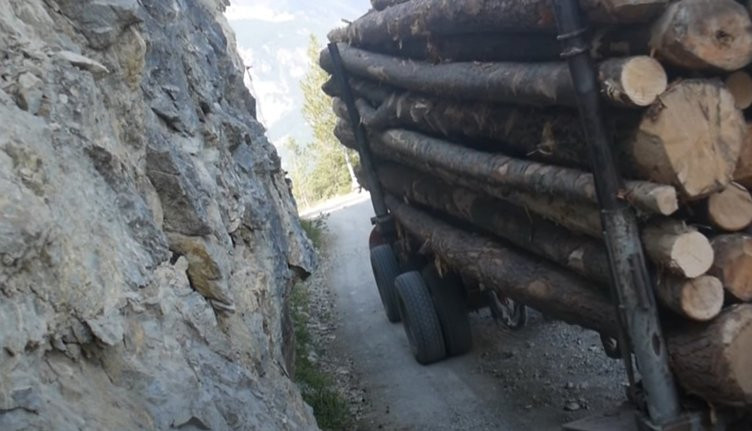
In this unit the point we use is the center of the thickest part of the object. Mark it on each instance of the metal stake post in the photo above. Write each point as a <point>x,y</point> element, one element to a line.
<point>383,219</point>
<point>631,286</point>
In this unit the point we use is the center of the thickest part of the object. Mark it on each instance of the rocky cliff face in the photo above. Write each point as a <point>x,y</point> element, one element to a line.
<point>148,239</point>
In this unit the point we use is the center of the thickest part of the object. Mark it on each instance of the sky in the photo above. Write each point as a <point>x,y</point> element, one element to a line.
<point>272,38</point>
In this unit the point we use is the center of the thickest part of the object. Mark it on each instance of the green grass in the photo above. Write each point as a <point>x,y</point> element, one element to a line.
<point>315,229</point>
<point>318,389</point>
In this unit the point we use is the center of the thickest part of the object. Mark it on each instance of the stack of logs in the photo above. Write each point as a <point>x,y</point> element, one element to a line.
<point>471,116</point>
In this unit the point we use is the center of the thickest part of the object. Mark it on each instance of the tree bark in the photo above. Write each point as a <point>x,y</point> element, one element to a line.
<point>524,47</point>
<point>429,154</point>
<point>584,255</point>
<point>730,210</point>
<point>524,175</point>
<point>418,18</point>
<point>743,173</point>
<point>691,138</point>
<point>712,360</point>
<point>733,264</point>
<point>369,90</point>
<point>678,248</point>
<point>699,299</point>
<point>739,85</point>
<point>533,282</point>
<point>704,34</point>
<point>634,81</point>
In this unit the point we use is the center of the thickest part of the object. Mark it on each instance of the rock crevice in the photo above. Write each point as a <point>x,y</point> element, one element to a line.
<point>148,238</point>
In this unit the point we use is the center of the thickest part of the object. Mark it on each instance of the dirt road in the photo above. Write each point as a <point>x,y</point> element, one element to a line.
<point>533,379</point>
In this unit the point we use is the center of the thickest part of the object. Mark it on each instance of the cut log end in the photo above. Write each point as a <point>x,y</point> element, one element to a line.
<point>653,198</point>
<point>731,209</point>
<point>680,249</point>
<point>692,254</point>
<point>690,138</point>
<point>702,298</point>
<point>739,84</point>
<point>733,264</point>
<point>704,34</point>
<point>643,79</point>
<point>699,299</point>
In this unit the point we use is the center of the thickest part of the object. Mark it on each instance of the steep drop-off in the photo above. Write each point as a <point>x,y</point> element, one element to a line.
<point>148,238</point>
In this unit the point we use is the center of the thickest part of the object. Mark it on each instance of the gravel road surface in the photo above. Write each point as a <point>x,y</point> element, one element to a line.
<point>537,378</point>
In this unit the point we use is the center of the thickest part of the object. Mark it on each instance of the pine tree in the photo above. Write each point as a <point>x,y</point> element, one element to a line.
<point>321,169</point>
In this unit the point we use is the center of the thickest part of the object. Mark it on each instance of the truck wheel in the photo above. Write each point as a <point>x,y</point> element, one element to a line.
<point>451,307</point>
<point>385,270</point>
<point>419,318</point>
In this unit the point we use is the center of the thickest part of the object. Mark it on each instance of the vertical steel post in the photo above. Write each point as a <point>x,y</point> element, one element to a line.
<point>631,285</point>
<point>382,219</point>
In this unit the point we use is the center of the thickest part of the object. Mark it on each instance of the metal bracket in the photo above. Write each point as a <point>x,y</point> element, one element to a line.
<point>631,286</point>
<point>382,219</point>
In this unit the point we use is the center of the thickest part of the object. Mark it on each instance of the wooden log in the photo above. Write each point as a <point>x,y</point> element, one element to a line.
<point>424,152</point>
<point>578,217</point>
<point>694,128</point>
<point>739,85</point>
<point>425,17</point>
<point>518,174</point>
<point>635,81</point>
<point>383,4</point>
<point>369,90</point>
<point>704,34</point>
<point>530,232</point>
<point>523,47</point>
<point>632,81</point>
<point>691,138</point>
<point>743,172</point>
<point>712,360</point>
<point>678,248</point>
<point>730,210</point>
<point>733,264</point>
<point>533,282</point>
<point>699,299</point>
<point>584,255</point>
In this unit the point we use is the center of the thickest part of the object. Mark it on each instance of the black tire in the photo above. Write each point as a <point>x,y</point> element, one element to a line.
<point>451,307</point>
<point>419,318</point>
<point>385,270</point>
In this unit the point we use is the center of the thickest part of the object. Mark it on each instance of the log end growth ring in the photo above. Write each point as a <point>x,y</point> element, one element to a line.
<point>690,138</point>
<point>702,299</point>
<point>692,254</point>
<point>705,34</point>
<point>731,209</point>
<point>644,79</point>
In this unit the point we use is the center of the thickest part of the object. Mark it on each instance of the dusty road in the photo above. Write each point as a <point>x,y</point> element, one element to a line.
<point>534,379</point>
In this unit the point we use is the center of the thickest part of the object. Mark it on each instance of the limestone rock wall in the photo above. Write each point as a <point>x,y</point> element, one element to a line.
<point>148,238</point>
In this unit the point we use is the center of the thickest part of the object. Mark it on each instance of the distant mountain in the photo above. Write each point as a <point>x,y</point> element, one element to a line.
<point>272,38</point>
